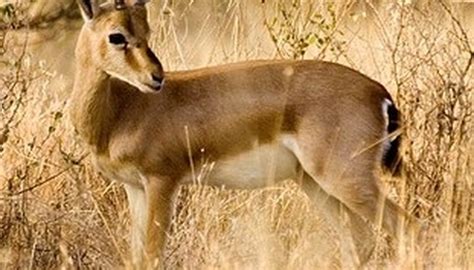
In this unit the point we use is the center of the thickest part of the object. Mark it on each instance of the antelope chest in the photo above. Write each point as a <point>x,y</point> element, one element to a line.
<point>119,171</point>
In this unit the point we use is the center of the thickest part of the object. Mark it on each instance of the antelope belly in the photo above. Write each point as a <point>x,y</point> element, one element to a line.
<point>262,166</point>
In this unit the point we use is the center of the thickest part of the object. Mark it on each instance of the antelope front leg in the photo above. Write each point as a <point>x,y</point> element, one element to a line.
<point>150,211</point>
<point>137,207</point>
<point>159,192</point>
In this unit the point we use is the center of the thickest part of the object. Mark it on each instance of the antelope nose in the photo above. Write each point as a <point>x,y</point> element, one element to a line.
<point>157,82</point>
<point>157,79</point>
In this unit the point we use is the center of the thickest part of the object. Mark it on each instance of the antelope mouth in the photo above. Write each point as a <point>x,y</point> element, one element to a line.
<point>156,88</point>
<point>153,87</point>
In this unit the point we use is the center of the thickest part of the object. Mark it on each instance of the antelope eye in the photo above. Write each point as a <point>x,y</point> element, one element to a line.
<point>117,39</point>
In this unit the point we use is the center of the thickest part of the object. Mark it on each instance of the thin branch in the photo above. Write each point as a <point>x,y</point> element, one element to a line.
<point>49,179</point>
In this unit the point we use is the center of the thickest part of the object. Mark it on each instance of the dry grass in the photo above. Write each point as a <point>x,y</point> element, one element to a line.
<point>56,211</point>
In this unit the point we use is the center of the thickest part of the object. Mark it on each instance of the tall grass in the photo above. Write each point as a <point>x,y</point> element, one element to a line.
<point>56,211</point>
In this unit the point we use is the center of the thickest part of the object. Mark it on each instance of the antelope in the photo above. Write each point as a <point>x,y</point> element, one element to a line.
<point>322,124</point>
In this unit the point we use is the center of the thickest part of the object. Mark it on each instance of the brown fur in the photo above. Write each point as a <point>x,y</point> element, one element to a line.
<point>327,117</point>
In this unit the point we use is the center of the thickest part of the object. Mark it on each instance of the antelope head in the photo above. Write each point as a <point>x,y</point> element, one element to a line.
<point>114,40</point>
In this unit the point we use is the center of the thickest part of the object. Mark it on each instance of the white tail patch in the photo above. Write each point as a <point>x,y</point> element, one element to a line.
<point>386,144</point>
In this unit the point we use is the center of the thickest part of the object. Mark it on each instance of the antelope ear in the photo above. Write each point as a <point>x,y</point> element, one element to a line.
<point>139,7</point>
<point>89,8</point>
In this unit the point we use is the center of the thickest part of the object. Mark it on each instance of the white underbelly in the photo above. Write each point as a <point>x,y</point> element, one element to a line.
<point>261,166</point>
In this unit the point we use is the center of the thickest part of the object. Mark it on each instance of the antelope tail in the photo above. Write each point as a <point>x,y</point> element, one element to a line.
<point>392,161</point>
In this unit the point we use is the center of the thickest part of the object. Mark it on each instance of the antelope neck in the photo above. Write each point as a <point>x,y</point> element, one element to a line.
<point>93,106</point>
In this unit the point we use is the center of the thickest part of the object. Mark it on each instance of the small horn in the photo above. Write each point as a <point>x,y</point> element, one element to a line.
<point>120,4</point>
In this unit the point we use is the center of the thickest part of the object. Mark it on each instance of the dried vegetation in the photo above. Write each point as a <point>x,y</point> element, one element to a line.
<point>56,211</point>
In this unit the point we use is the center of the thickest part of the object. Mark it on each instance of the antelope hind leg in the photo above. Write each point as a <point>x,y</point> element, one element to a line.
<point>362,234</point>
